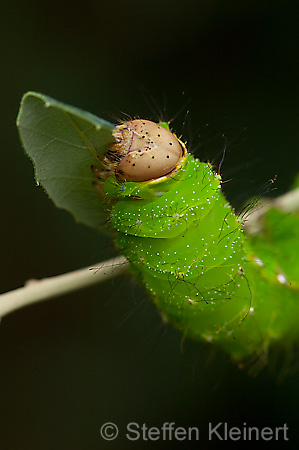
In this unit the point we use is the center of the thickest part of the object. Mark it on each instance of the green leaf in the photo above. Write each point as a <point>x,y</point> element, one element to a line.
<point>63,143</point>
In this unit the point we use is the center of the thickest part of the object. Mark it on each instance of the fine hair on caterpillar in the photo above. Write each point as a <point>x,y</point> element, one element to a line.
<point>160,110</point>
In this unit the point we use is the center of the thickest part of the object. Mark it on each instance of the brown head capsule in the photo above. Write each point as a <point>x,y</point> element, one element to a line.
<point>146,150</point>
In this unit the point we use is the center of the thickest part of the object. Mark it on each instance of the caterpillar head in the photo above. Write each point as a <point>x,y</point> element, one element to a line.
<point>145,150</point>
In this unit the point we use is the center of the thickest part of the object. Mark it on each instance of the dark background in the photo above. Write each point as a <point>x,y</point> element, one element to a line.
<point>71,364</point>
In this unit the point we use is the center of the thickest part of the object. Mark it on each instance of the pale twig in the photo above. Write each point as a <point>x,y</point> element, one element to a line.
<point>38,290</point>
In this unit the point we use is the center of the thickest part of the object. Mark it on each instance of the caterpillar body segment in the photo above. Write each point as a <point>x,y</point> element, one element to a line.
<point>186,246</point>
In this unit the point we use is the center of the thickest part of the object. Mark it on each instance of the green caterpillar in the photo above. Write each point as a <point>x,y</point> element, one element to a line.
<point>184,242</point>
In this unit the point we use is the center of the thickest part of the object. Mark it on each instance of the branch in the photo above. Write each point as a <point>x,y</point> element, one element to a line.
<point>38,290</point>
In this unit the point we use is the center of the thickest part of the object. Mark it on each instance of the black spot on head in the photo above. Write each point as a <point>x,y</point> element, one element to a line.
<point>170,143</point>
<point>153,157</point>
<point>167,156</point>
<point>133,164</point>
<point>158,135</point>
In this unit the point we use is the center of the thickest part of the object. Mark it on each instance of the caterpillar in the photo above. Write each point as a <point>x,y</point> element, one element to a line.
<point>185,243</point>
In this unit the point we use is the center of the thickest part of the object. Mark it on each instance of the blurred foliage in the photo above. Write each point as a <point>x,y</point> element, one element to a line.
<point>279,245</point>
